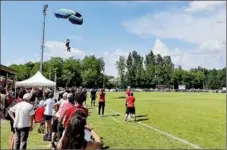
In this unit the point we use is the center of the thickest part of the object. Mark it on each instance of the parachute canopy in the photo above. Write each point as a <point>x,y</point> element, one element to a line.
<point>73,16</point>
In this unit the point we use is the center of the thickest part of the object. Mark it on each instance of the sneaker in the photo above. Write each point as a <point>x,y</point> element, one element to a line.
<point>53,146</point>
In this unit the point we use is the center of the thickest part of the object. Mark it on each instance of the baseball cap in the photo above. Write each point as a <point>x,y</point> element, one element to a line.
<point>27,96</point>
<point>41,103</point>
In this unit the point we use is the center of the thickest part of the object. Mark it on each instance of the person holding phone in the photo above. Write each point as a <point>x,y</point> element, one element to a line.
<point>74,134</point>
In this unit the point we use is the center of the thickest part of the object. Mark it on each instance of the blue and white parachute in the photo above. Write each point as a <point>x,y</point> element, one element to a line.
<point>73,16</point>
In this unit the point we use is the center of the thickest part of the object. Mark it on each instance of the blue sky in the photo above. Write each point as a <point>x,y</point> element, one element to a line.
<point>110,29</point>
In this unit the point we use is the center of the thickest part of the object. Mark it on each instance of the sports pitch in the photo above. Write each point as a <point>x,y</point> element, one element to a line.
<point>165,120</point>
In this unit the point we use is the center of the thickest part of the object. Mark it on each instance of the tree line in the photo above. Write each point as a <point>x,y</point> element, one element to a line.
<point>87,72</point>
<point>134,70</point>
<point>153,70</point>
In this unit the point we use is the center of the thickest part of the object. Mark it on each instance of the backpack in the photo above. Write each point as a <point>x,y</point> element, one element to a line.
<point>47,137</point>
<point>6,115</point>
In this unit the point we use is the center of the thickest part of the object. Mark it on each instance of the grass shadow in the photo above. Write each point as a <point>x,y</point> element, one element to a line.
<point>114,115</point>
<point>139,116</point>
<point>143,119</point>
<point>120,97</point>
<point>105,147</point>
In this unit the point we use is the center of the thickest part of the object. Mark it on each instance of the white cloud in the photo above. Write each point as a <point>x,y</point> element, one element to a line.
<point>179,25</point>
<point>201,6</point>
<point>213,46</point>
<point>110,59</point>
<point>208,32</point>
<point>23,60</point>
<point>16,61</point>
<point>160,48</point>
<point>58,49</point>
<point>193,58</point>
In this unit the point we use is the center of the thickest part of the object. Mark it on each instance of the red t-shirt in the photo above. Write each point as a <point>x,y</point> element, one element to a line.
<point>101,97</point>
<point>70,111</point>
<point>65,107</point>
<point>39,113</point>
<point>131,101</point>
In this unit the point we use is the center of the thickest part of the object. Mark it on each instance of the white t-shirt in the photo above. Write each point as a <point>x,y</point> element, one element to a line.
<point>61,103</point>
<point>23,110</point>
<point>49,107</point>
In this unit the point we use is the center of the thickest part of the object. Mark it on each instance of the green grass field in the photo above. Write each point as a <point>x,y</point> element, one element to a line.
<point>199,118</point>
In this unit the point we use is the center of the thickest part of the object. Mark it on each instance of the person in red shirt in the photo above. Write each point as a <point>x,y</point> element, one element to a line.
<point>70,112</point>
<point>65,107</point>
<point>39,113</point>
<point>78,106</point>
<point>130,110</point>
<point>102,100</point>
<point>74,136</point>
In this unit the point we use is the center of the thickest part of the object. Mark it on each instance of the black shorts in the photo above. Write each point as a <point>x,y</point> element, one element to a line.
<point>93,99</point>
<point>47,117</point>
<point>11,126</point>
<point>130,110</point>
<point>55,125</point>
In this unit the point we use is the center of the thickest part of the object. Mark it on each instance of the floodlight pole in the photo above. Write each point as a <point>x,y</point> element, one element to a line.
<point>49,73</point>
<point>55,80</point>
<point>104,76</point>
<point>43,35</point>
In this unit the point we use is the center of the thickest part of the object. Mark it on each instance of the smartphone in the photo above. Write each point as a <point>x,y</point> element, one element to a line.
<point>87,135</point>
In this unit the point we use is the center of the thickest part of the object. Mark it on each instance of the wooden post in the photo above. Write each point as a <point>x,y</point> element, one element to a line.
<point>55,80</point>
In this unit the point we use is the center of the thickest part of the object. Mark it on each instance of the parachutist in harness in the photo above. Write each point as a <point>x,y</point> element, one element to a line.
<point>72,16</point>
<point>67,45</point>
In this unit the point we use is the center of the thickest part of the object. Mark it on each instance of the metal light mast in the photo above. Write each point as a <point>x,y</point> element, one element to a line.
<point>42,43</point>
<point>104,76</point>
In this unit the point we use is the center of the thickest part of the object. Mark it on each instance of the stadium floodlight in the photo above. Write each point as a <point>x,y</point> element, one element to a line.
<point>43,35</point>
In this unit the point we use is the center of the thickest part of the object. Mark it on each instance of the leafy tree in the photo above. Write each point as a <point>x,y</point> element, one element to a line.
<point>121,66</point>
<point>135,71</point>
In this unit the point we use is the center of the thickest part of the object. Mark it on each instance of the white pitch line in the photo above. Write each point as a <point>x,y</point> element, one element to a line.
<point>164,133</point>
<point>115,120</point>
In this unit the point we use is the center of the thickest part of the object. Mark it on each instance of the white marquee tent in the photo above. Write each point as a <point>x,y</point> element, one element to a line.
<point>37,80</point>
